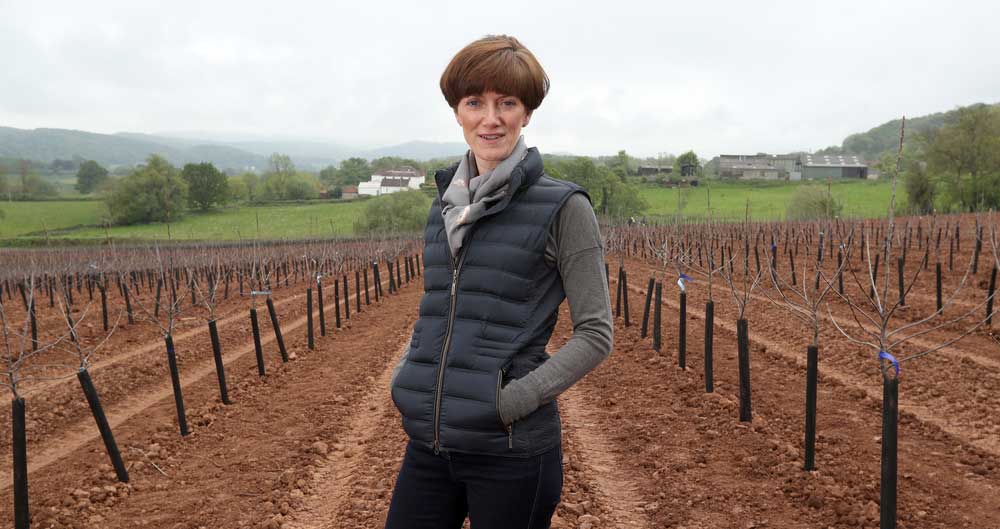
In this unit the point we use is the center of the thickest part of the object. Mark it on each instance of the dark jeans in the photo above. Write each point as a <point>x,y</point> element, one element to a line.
<point>438,491</point>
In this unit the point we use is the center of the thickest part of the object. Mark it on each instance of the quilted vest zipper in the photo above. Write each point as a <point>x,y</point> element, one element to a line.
<point>444,352</point>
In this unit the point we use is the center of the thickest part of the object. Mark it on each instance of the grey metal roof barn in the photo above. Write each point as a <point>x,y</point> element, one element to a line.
<point>791,166</point>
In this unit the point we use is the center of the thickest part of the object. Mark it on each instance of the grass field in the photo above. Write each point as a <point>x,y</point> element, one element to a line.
<point>276,222</point>
<point>33,218</point>
<point>81,220</point>
<point>767,200</point>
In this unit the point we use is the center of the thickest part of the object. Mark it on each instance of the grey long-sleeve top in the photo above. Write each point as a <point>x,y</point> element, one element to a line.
<point>575,247</point>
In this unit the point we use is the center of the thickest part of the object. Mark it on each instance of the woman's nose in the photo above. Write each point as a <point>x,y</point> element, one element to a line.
<point>493,114</point>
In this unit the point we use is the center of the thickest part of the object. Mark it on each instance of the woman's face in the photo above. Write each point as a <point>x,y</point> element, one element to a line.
<point>492,124</point>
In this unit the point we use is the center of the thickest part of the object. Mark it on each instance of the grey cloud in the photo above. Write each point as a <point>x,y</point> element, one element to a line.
<point>647,77</point>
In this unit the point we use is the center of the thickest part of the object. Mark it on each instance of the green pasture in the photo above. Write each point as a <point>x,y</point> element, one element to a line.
<point>768,200</point>
<point>21,219</point>
<point>82,220</point>
<point>291,221</point>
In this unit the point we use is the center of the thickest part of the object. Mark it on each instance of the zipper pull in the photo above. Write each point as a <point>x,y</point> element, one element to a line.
<point>454,281</point>
<point>437,448</point>
<point>510,436</point>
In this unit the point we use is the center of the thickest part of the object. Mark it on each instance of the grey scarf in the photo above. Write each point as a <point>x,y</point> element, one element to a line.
<point>467,198</point>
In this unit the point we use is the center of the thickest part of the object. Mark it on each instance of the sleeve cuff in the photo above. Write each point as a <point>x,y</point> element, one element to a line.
<point>517,401</point>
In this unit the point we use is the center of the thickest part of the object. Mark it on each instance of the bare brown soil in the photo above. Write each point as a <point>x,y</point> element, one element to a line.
<point>317,443</point>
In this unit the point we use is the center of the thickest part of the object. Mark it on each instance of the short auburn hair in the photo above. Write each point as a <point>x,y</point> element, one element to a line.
<point>497,63</point>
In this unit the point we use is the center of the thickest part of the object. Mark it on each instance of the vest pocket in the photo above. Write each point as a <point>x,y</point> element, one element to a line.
<point>509,428</point>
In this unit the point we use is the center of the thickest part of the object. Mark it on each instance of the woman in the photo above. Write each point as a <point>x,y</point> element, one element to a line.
<point>504,245</point>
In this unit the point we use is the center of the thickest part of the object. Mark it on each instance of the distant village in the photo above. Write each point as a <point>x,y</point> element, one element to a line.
<point>384,183</point>
<point>788,167</point>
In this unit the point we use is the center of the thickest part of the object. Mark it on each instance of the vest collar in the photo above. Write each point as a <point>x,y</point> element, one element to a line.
<point>524,175</point>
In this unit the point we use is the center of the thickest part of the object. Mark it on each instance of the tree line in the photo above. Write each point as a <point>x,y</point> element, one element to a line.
<point>953,168</point>
<point>158,191</point>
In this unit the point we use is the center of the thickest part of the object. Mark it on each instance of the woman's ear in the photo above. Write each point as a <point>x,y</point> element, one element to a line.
<point>527,118</point>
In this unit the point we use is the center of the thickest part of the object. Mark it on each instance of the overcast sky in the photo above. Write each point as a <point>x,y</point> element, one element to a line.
<point>648,77</point>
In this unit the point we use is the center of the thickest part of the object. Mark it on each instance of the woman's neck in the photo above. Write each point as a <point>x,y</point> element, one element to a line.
<point>480,166</point>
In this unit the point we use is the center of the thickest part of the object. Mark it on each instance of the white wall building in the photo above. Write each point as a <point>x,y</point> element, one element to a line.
<point>385,182</point>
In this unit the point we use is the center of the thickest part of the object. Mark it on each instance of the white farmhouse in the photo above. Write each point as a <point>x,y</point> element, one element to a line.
<point>385,182</point>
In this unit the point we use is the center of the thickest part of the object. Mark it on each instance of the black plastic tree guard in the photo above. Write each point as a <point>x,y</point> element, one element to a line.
<point>20,470</point>
<point>220,368</point>
<point>175,380</point>
<point>255,326</point>
<point>743,345</point>
<point>102,424</point>
<point>812,368</point>
<point>890,432</point>
<point>645,311</point>
<point>277,329</point>
<point>709,335</point>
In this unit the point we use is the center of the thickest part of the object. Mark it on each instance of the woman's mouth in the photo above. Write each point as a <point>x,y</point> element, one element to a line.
<point>490,137</point>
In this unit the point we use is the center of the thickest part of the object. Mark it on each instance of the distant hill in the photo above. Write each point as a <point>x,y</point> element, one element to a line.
<point>419,150</point>
<point>129,148</point>
<point>45,145</point>
<point>885,137</point>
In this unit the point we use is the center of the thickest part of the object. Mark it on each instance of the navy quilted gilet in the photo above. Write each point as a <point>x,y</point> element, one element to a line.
<point>487,315</point>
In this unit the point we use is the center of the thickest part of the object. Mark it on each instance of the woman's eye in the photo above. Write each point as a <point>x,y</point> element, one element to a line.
<point>472,103</point>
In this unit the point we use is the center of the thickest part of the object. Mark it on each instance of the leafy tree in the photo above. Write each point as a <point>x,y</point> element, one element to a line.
<point>24,170</point>
<point>886,165</point>
<point>811,202</point>
<point>90,176</point>
<point>281,164</point>
<point>688,158</point>
<point>966,155</point>
<point>33,187</point>
<point>394,162</point>
<point>281,170</point>
<point>619,164</point>
<point>252,182</point>
<point>237,189</point>
<point>297,186</point>
<point>400,212</point>
<point>920,189</point>
<point>29,185</point>
<point>609,195</point>
<point>352,171</point>
<point>153,192</point>
<point>4,186</point>
<point>283,182</point>
<point>436,164</point>
<point>337,192</point>
<point>328,175</point>
<point>206,185</point>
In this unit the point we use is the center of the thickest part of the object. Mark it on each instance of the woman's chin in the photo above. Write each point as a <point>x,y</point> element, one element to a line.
<point>493,153</point>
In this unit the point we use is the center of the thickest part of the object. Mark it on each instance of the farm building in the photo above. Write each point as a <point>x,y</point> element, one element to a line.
<point>821,166</point>
<point>385,182</point>
<point>349,192</point>
<point>790,166</point>
<point>759,166</point>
